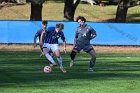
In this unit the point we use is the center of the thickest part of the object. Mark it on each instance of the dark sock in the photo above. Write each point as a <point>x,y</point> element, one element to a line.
<point>92,62</point>
<point>72,55</point>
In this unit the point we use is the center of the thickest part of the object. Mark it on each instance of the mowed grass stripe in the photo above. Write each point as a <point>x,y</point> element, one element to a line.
<point>24,74</point>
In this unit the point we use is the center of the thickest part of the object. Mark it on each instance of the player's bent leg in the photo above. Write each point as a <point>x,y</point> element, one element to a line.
<point>42,53</point>
<point>51,53</point>
<point>57,54</point>
<point>52,62</point>
<point>59,59</point>
<point>72,56</point>
<point>41,48</point>
<point>92,61</point>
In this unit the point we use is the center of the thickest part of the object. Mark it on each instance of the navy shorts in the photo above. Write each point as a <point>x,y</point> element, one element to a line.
<point>86,48</point>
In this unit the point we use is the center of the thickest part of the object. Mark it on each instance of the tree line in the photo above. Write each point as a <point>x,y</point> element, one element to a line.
<point>71,5</point>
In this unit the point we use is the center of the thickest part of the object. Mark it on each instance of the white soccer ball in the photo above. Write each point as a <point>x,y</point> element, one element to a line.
<point>47,69</point>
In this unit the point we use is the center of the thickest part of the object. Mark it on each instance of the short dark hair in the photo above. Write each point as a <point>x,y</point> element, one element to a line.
<point>44,22</point>
<point>60,25</point>
<point>80,17</point>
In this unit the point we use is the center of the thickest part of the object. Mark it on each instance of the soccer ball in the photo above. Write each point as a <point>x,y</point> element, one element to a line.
<point>47,69</point>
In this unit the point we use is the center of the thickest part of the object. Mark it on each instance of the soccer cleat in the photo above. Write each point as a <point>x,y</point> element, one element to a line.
<point>71,63</point>
<point>63,70</point>
<point>90,70</point>
<point>41,54</point>
<point>53,65</point>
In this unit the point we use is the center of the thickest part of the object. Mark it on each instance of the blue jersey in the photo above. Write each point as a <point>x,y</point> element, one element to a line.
<point>52,36</point>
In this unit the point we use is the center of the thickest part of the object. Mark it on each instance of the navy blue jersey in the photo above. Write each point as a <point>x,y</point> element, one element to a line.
<point>52,36</point>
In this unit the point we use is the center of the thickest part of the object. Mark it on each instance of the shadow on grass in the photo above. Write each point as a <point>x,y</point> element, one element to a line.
<point>27,69</point>
<point>133,18</point>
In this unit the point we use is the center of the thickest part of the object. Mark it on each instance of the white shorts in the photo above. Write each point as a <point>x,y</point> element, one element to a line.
<point>52,47</point>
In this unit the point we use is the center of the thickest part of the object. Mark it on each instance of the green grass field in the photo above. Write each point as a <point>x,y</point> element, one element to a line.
<point>21,72</point>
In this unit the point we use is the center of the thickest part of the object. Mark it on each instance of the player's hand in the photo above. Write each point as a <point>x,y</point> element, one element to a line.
<point>92,37</point>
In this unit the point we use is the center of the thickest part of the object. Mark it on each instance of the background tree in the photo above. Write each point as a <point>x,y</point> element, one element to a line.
<point>69,9</point>
<point>122,9</point>
<point>36,9</point>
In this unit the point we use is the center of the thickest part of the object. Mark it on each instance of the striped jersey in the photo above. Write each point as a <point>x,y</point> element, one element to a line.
<point>52,36</point>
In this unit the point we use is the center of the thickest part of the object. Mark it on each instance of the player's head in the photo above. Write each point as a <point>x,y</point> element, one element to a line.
<point>59,26</point>
<point>81,20</point>
<point>44,23</point>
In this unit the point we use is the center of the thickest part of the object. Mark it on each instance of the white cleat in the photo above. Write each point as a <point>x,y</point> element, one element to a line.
<point>53,65</point>
<point>71,63</point>
<point>90,70</point>
<point>63,70</point>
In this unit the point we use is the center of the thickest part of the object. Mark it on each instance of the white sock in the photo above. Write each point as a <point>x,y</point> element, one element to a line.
<point>49,58</point>
<point>59,59</point>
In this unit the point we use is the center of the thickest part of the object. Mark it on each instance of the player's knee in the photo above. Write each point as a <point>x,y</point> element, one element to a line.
<point>93,57</point>
<point>45,52</point>
<point>72,55</point>
<point>57,55</point>
<point>92,53</point>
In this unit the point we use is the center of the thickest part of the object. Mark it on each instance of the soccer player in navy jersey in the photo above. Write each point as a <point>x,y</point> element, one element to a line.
<point>52,34</point>
<point>38,34</point>
<point>84,33</point>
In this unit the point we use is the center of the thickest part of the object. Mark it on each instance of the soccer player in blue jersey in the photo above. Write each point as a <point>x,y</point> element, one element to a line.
<point>52,34</point>
<point>38,34</point>
<point>84,33</point>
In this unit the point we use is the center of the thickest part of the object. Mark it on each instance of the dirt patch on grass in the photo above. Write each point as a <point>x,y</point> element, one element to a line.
<point>98,49</point>
<point>117,49</point>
